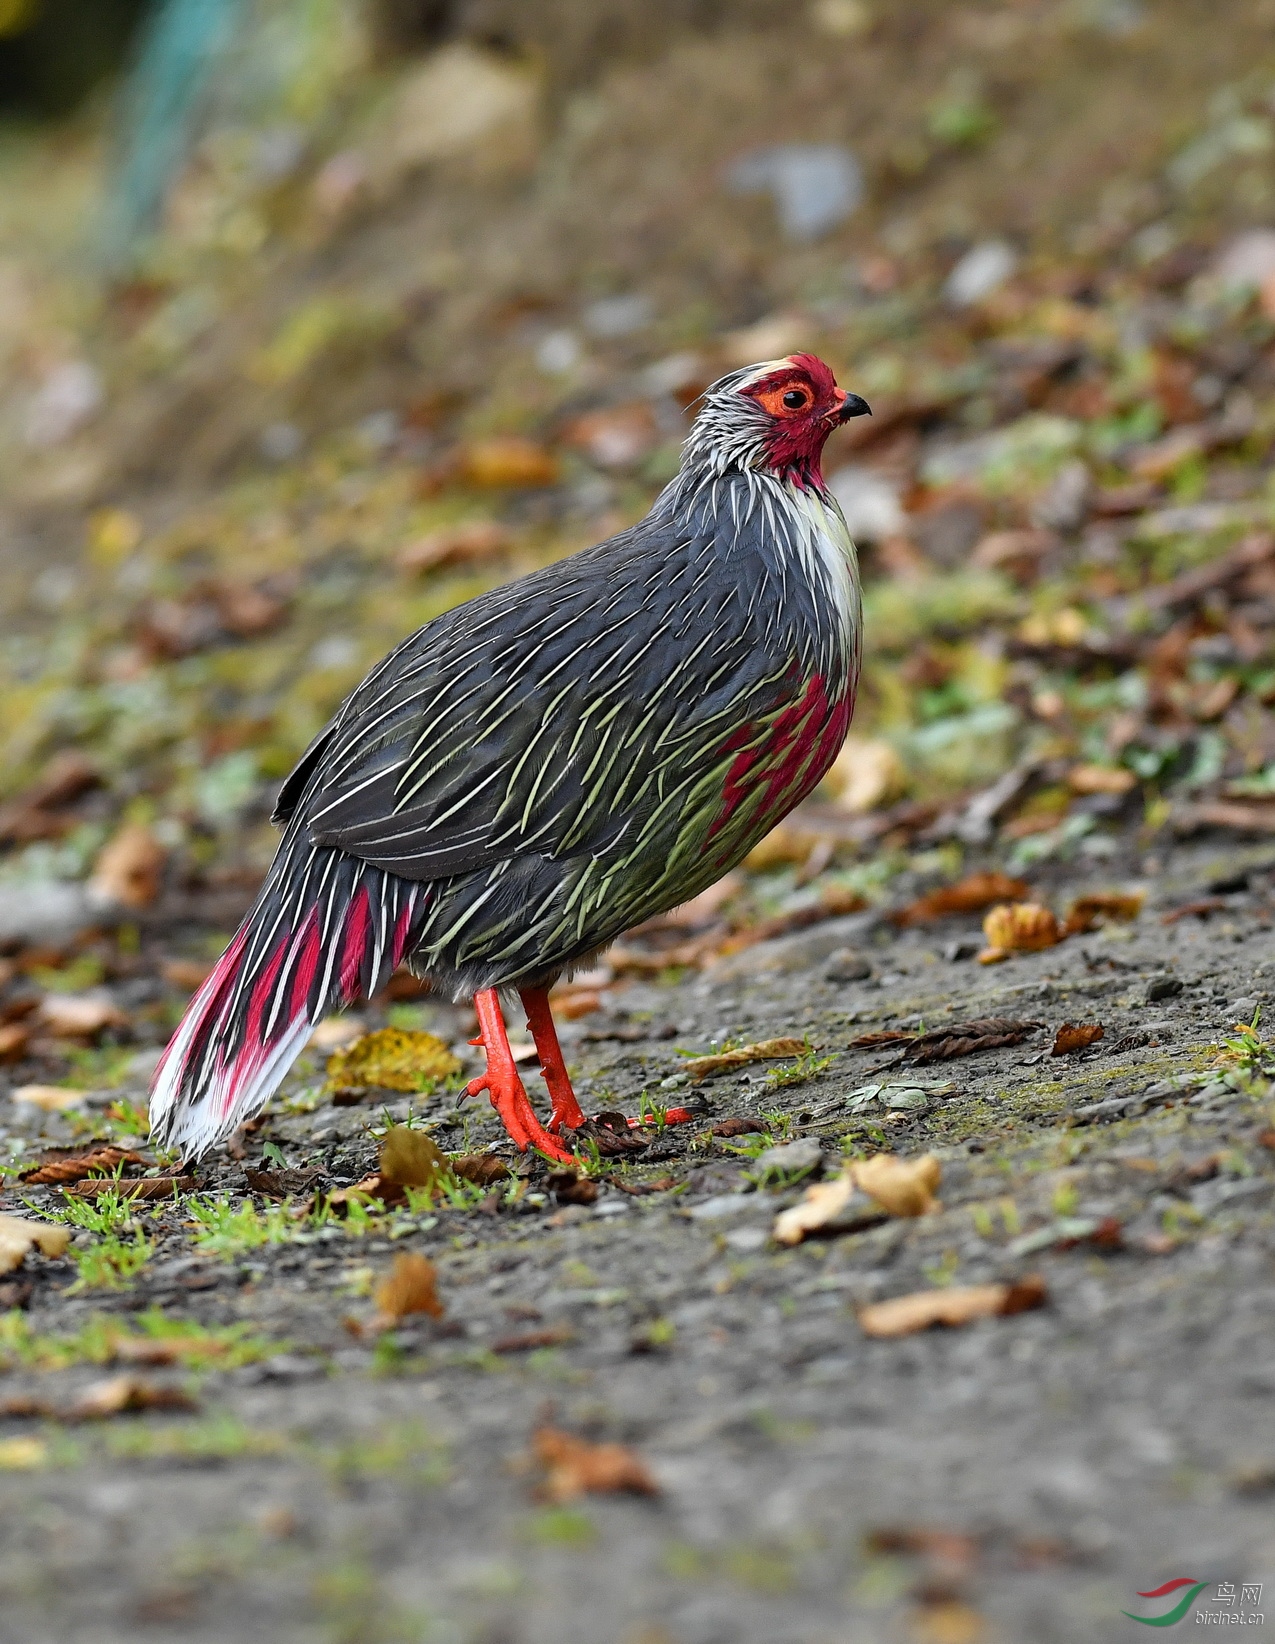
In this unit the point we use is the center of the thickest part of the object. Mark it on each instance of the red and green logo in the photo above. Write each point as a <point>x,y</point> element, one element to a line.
<point>1170,1618</point>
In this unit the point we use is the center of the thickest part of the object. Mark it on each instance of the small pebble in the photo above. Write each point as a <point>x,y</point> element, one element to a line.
<point>1163,987</point>
<point>847,966</point>
<point>803,1155</point>
<point>1242,1009</point>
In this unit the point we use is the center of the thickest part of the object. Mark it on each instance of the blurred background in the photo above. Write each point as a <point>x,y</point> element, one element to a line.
<point>319,316</point>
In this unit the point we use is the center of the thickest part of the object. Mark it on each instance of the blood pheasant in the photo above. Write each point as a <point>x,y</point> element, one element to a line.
<point>551,763</point>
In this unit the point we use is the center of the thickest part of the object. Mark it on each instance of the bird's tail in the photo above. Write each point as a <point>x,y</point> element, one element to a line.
<point>325,931</point>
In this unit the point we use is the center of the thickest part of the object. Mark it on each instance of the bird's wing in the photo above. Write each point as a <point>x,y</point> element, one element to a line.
<point>548,716</point>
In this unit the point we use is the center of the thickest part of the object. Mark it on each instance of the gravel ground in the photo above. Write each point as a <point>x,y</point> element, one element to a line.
<point>1021,1478</point>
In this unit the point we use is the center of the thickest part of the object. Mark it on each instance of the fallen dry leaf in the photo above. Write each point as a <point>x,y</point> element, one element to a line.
<point>129,868</point>
<point>964,1038</point>
<point>14,1039</point>
<point>80,1166</point>
<point>18,1236</point>
<point>575,1467</point>
<point>865,775</point>
<point>480,1168</point>
<point>392,1059</point>
<point>833,904</point>
<point>79,1015</point>
<point>1076,1036</point>
<point>570,1188</point>
<point>119,1394</point>
<point>960,1304</point>
<point>530,1341</point>
<point>411,1286</point>
<point>765,1050</point>
<point>144,1187</point>
<point>639,1189</point>
<point>739,1127</point>
<point>469,543</point>
<point>904,1187</point>
<point>1090,779</point>
<point>48,1098</point>
<point>411,1158</point>
<point>886,1036</point>
<point>363,1192</point>
<point>1019,927</point>
<point>821,1207</point>
<point>283,1184</point>
<point>969,895</point>
<point>1200,909</point>
<point>1087,911</point>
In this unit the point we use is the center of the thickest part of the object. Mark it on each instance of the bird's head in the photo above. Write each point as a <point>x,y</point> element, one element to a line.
<point>773,417</point>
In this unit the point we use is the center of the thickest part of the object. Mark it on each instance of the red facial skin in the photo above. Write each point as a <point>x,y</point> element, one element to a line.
<point>796,440</point>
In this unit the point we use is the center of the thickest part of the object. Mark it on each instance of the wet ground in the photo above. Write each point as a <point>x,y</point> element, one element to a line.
<point>1020,1478</point>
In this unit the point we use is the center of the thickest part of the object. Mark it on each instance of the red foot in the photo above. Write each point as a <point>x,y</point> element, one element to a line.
<point>672,1116</point>
<point>501,1081</point>
<point>566,1110</point>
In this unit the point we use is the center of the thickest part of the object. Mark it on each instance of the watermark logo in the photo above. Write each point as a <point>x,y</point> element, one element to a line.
<point>1226,1606</point>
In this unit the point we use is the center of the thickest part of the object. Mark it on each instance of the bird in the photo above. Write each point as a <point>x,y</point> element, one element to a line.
<point>547,765</point>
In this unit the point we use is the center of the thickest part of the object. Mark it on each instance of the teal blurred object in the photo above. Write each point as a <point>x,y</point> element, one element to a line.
<point>159,108</point>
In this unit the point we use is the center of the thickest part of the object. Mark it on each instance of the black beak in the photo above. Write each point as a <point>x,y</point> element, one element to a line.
<point>854,406</point>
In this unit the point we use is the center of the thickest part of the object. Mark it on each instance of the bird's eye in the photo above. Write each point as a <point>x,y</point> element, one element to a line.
<point>796,398</point>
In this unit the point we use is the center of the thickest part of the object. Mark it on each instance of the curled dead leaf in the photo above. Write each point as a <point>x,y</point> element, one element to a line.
<point>129,868</point>
<point>142,1187</point>
<point>1072,1036</point>
<point>531,1341</point>
<point>822,1206</point>
<point>1021,927</point>
<point>18,1236</point>
<point>961,1304</point>
<point>117,1395</point>
<point>480,1168</point>
<point>569,1188</point>
<point>96,1160</point>
<point>411,1286</point>
<point>904,1187</point>
<point>1087,911</point>
<point>969,895</point>
<point>964,1038</point>
<point>765,1050</point>
<point>574,1467</point>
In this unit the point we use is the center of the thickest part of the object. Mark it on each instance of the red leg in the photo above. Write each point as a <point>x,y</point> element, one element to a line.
<point>566,1110</point>
<point>508,1096</point>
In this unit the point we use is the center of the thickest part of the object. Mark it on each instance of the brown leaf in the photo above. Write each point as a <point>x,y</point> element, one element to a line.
<point>411,1158</point>
<point>528,1341</point>
<point>639,1189</point>
<point>887,1036</point>
<point>575,1467</point>
<point>1021,927</point>
<point>1091,779</point>
<point>821,1206</point>
<point>1087,911</point>
<point>18,1236</point>
<point>40,812</point>
<point>834,904</point>
<point>14,1039</point>
<point>119,1394</point>
<point>282,1184</point>
<point>964,1038</point>
<point>765,1050</point>
<point>569,1188</point>
<point>410,1287</point>
<point>80,1166</point>
<point>469,543</point>
<point>739,1127</point>
<point>144,1187</point>
<point>969,895</point>
<point>480,1168</point>
<point>1073,1036</point>
<point>904,1187</point>
<point>79,1015</point>
<point>958,1305</point>
<point>375,1187</point>
<point>129,868</point>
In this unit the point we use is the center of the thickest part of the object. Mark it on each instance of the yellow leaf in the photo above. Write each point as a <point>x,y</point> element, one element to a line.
<point>18,1236</point>
<point>904,1187</point>
<point>411,1286</point>
<point>411,1158</point>
<point>22,1453</point>
<point>820,1207</point>
<point>393,1059</point>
